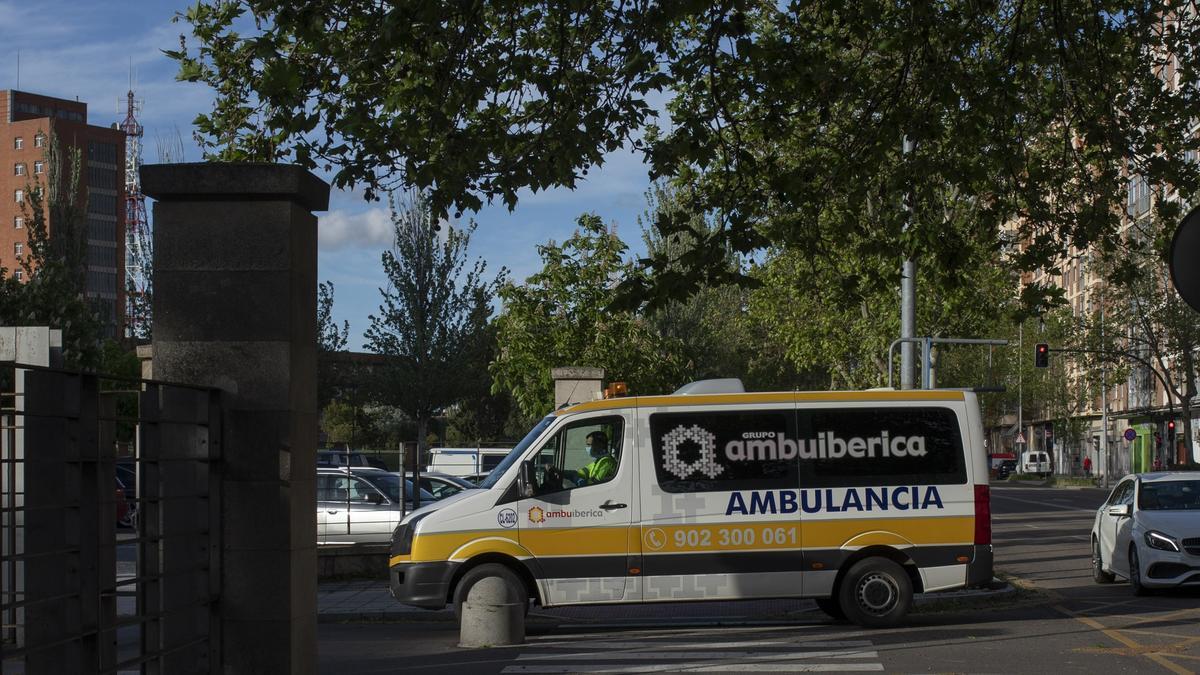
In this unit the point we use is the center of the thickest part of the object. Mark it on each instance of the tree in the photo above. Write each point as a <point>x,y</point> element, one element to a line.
<point>560,316</point>
<point>433,316</point>
<point>55,263</point>
<point>713,330</point>
<point>832,312</point>
<point>330,337</point>
<point>784,119</point>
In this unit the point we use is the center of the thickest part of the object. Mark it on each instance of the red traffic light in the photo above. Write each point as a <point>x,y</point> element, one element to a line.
<point>1171,425</point>
<point>1041,355</point>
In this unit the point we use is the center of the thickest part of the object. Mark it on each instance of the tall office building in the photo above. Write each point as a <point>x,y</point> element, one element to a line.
<point>26,122</point>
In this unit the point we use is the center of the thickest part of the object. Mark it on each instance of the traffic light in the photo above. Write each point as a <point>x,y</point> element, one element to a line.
<point>1171,429</point>
<point>1041,355</point>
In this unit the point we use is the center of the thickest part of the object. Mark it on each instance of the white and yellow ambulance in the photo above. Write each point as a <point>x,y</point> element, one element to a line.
<point>855,499</point>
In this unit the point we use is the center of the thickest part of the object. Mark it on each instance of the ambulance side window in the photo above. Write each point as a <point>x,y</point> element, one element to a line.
<point>724,450</point>
<point>868,446</point>
<point>585,453</point>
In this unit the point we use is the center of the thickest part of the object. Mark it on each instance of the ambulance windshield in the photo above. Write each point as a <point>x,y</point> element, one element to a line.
<point>516,453</point>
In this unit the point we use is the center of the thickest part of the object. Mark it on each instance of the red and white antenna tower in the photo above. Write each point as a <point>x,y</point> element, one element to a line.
<point>138,251</point>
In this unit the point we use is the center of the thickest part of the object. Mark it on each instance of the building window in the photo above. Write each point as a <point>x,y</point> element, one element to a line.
<point>18,249</point>
<point>18,223</point>
<point>18,275</point>
<point>18,169</point>
<point>39,167</point>
<point>19,195</point>
<point>18,143</point>
<point>39,141</point>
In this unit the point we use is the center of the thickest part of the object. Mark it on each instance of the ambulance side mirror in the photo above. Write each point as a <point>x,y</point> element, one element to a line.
<point>528,478</point>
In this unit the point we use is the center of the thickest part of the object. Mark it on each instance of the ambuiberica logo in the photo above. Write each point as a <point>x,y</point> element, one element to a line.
<point>770,445</point>
<point>539,515</point>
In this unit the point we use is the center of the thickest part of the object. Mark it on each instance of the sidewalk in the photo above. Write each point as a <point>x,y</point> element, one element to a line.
<point>369,600</point>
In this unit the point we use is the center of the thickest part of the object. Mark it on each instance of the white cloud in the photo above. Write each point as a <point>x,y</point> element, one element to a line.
<point>342,229</point>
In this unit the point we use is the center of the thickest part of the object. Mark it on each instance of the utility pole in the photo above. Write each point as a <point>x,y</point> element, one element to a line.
<point>1104,456</point>
<point>908,299</point>
<point>1020,391</point>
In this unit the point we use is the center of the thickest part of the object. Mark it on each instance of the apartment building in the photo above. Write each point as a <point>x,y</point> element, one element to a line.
<point>26,122</point>
<point>1140,408</point>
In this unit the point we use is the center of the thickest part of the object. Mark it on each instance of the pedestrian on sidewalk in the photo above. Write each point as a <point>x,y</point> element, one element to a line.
<point>1087,467</point>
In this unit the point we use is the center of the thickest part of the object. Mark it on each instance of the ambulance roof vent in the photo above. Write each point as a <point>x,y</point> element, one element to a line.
<point>725,385</point>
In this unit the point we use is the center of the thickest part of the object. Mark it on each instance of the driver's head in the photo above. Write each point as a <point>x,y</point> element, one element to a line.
<point>597,443</point>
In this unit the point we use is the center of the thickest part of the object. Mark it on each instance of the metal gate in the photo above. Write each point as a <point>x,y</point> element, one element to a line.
<point>82,593</point>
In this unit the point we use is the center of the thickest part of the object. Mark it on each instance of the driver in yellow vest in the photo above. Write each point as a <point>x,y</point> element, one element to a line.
<point>603,465</point>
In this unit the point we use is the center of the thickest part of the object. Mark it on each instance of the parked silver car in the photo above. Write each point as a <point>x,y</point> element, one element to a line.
<point>360,505</point>
<point>442,485</point>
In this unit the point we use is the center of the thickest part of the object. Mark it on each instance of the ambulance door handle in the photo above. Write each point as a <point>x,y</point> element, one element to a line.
<point>608,506</point>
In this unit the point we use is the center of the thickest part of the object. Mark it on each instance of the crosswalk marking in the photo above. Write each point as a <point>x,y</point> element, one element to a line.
<point>662,656</point>
<point>689,652</point>
<point>655,644</point>
<point>705,668</point>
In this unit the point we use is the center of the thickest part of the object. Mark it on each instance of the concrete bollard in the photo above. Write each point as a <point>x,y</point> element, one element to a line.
<point>491,617</point>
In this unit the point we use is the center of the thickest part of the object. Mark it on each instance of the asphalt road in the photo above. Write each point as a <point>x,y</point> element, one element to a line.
<point>1058,621</point>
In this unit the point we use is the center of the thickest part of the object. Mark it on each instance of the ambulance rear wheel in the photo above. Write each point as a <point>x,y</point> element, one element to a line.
<point>832,608</point>
<point>876,593</point>
<point>516,588</point>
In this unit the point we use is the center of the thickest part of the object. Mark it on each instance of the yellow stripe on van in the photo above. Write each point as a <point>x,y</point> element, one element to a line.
<point>540,542</point>
<point>758,398</point>
<point>699,538</point>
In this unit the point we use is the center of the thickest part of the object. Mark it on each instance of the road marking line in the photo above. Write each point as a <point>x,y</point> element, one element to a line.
<point>1173,667</point>
<point>1166,617</point>
<point>1186,638</point>
<point>1127,641</point>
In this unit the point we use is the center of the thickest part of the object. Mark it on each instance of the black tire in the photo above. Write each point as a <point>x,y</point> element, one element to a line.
<point>1098,573</point>
<point>516,588</point>
<point>876,593</point>
<point>1135,573</point>
<point>832,608</point>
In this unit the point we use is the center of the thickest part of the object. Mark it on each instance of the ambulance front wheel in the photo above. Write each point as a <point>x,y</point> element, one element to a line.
<point>876,593</point>
<point>516,587</point>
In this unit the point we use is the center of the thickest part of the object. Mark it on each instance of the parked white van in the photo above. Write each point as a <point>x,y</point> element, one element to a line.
<point>856,499</point>
<point>463,462</point>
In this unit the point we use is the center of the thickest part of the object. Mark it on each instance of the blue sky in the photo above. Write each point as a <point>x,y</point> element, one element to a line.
<point>86,48</point>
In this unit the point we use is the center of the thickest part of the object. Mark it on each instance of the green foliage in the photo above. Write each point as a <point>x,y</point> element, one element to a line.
<point>784,120</point>
<point>431,325</point>
<point>351,424</point>
<point>712,330</point>
<point>830,312</point>
<point>560,316</point>
<point>54,266</point>
<point>330,336</point>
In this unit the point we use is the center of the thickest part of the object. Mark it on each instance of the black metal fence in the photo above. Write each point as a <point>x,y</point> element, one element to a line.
<point>110,523</point>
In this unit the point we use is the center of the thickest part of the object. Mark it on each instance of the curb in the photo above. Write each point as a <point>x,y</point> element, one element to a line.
<point>997,589</point>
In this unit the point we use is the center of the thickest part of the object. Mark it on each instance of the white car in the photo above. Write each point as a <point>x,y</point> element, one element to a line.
<point>1148,531</point>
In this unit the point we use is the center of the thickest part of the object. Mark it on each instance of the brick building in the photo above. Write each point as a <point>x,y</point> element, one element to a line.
<point>26,121</point>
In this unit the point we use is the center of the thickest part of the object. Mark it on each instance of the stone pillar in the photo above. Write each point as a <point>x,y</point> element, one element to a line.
<point>235,279</point>
<point>575,384</point>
